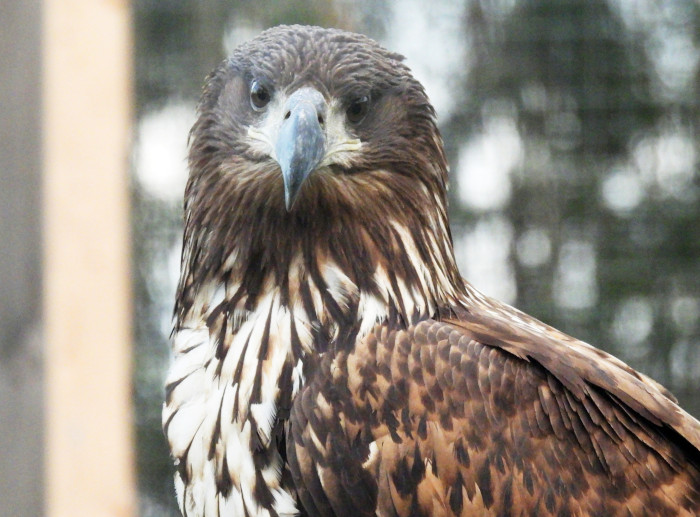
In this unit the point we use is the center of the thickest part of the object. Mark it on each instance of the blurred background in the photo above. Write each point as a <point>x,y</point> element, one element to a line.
<point>573,132</point>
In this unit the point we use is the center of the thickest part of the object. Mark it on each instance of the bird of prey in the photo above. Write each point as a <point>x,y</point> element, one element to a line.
<point>330,360</point>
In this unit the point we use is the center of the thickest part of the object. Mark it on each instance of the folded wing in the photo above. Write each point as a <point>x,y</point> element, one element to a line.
<point>488,413</point>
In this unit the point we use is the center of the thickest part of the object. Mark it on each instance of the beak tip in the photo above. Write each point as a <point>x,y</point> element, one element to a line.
<point>292,188</point>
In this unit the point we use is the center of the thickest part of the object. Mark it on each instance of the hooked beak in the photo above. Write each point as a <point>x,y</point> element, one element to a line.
<point>301,141</point>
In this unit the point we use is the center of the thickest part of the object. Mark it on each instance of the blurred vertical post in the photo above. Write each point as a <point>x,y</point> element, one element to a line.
<point>86,124</point>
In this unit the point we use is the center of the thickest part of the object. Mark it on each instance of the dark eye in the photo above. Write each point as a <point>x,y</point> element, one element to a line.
<point>358,109</point>
<point>259,95</point>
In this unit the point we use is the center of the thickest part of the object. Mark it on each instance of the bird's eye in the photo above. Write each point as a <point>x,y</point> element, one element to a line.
<point>358,109</point>
<point>259,95</point>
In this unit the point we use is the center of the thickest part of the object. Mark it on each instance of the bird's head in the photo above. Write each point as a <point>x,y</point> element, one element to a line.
<point>320,144</point>
<point>308,111</point>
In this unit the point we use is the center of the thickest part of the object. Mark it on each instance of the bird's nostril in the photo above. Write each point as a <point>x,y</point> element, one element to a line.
<point>320,119</point>
<point>289,113</point>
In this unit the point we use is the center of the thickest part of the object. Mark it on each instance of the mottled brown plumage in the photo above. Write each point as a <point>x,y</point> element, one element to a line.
<point>330,360</point>
<point>432,421</point>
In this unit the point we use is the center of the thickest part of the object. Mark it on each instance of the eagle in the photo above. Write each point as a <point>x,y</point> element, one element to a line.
<point>329,359</point>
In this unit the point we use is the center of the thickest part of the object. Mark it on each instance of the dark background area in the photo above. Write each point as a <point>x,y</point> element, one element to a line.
<point>21,378</point>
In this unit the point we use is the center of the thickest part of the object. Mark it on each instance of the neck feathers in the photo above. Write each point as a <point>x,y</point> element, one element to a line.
<point>330,255</point>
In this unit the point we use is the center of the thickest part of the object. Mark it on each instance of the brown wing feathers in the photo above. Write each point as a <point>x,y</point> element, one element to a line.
<point>575,364</point>
<point>445,425</point>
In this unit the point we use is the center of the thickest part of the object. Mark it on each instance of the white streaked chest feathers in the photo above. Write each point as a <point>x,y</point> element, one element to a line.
<point>212,411</point>
<point>215,408</point>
